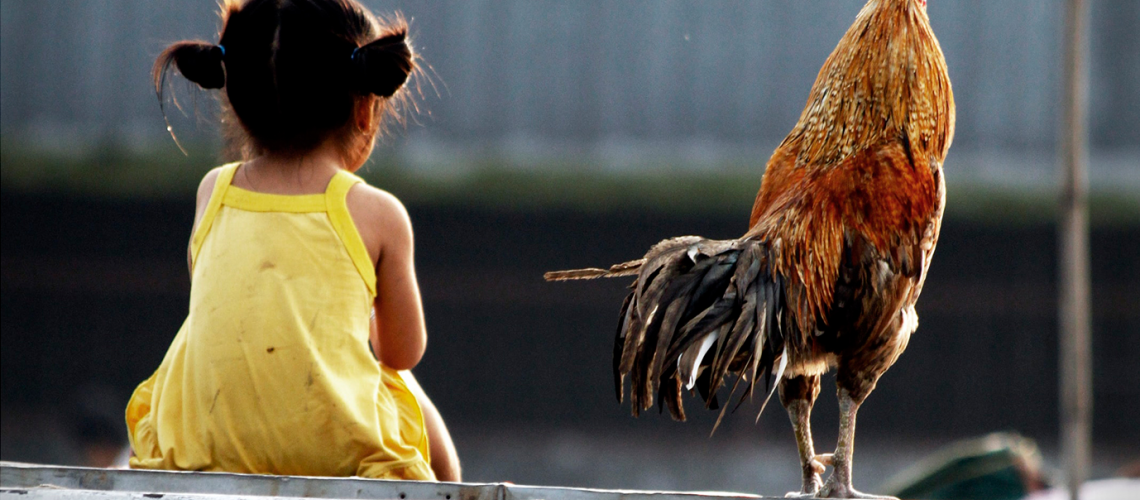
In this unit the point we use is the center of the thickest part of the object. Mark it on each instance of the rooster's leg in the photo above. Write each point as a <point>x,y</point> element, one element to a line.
<point>798,396</point>
<point>839,483</point>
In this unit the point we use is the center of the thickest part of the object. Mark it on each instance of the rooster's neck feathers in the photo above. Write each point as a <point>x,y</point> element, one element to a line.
<point>886,79</point>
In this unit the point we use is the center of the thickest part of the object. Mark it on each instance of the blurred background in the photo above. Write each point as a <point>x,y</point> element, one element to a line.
<point>555,135</point>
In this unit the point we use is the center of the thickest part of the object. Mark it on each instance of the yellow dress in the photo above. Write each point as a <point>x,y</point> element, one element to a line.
<point>271,372</point>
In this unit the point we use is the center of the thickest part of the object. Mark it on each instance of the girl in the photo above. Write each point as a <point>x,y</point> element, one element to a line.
<point>297,266</point>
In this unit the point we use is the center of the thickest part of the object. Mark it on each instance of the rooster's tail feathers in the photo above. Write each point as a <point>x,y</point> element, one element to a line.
<point>617,270</point>
<point>699,311</point>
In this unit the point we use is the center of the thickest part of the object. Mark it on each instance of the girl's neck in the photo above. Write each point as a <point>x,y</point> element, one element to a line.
<point>290,174</point>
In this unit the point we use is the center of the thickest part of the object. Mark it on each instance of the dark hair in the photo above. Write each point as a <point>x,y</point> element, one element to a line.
<point>293,70</point>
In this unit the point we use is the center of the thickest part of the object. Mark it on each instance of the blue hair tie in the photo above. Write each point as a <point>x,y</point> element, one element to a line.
<point>223,49</point>
<point>354,51</point>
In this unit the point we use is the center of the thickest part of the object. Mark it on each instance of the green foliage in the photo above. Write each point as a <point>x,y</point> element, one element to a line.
<point>109,171</point>
<point>569,189</point>
<point>166,173</point>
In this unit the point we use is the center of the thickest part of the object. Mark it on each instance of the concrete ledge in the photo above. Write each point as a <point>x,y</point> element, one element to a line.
<point>32,481</point>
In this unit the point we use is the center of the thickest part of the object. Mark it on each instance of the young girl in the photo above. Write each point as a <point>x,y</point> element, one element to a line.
<point>298,268</point>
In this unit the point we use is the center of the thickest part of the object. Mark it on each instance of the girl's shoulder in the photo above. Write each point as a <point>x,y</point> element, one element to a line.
<point>375,204</point>
<point>381,219</point>
<point>205,190</point>
<point>206,186</point>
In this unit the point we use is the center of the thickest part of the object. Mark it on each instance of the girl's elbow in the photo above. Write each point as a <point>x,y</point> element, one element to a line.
<point>404,359</point>
<point>402,363</point>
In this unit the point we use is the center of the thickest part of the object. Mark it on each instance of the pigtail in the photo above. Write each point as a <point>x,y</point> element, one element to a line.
<point>198,61</point>
<point>382,66</point>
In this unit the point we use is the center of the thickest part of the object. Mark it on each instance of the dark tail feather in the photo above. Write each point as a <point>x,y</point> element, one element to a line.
<point>619,344</point>
<point>700,310</point>
<point>624,269</point>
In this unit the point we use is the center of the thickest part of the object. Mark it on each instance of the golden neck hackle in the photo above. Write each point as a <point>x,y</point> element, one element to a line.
<point>886,79</point>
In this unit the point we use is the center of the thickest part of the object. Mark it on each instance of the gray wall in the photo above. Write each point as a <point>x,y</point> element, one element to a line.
<point>587,75</point>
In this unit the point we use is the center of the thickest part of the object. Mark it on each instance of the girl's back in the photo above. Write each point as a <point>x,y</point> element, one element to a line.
<point>273,359</point>
<point>303,300</point>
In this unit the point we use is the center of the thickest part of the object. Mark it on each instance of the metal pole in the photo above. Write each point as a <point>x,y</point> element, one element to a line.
<point>1075,336</point>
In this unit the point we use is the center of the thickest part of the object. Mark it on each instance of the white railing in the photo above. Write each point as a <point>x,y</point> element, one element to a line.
<point>31,481</point>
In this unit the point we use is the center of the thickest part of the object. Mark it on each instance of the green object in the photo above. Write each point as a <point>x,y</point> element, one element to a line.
<point>994,467</point>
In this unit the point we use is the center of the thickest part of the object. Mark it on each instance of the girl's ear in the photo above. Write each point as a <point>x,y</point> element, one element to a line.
<point>366,122</point>
<point>364,114</point>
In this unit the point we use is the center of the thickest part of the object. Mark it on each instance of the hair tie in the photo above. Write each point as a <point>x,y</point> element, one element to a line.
<point>223,49</point>
<point>354,51</point>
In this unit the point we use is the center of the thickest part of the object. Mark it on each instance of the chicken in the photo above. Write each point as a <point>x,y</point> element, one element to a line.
<point>841,236</point>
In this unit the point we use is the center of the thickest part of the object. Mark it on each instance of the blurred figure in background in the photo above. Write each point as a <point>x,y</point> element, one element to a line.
<point>96,426</point>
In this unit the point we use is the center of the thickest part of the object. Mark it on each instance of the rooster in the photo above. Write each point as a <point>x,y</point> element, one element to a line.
<point>839,242</point>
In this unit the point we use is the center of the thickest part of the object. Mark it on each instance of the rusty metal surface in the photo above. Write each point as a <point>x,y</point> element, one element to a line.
<point>52,482</point>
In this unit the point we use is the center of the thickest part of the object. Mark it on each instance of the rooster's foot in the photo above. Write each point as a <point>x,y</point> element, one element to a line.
<point>833,489</point>
<point>812,482</point>
<point>823,459</point>
<point>800,494</point>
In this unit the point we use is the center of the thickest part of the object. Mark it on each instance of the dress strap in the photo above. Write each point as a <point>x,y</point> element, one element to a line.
<point>346,229</point>
<point>225,178</point>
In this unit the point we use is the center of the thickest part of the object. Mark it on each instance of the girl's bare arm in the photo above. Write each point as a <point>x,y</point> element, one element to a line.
<point>399,337</point>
